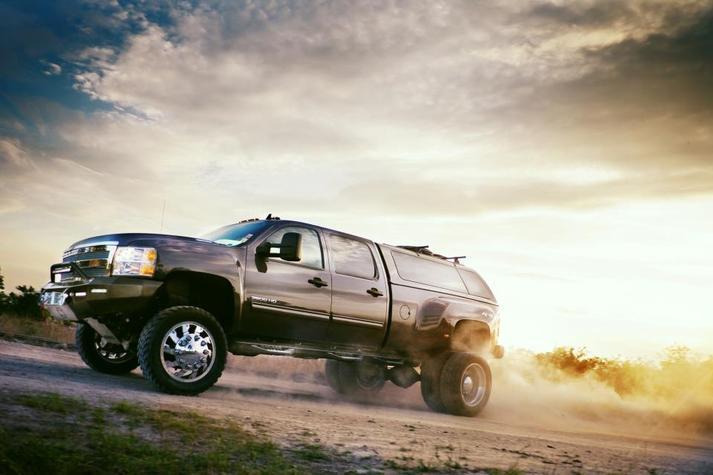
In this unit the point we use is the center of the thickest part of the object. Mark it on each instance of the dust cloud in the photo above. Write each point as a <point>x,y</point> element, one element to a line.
<point>569,390</point>
<point>564,389</point>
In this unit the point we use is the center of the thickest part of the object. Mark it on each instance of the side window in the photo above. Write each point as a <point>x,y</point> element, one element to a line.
<point>476,285</point>
<point>351,257</point>
<point>311,248</point>
<point>426,271</point>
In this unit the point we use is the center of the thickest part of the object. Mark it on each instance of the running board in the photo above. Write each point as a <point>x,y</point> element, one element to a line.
<point>254,348</point>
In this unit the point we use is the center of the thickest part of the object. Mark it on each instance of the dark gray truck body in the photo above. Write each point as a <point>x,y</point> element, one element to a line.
<point>271,302</point>
<point>346,298</point>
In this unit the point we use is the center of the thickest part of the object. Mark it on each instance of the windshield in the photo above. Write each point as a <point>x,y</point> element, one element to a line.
<point>236,234</point>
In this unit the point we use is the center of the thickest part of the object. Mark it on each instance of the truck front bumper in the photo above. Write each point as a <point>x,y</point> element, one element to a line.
<point>98,296</point>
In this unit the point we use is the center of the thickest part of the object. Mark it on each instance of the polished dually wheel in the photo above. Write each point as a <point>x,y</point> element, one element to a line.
<point>187,352</point>
<point>473,385</point>
<point>465,384</point>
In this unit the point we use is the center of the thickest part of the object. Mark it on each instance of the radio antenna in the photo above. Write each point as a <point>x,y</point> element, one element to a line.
<point>163,212</point>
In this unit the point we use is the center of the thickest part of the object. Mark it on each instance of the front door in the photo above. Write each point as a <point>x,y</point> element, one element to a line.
<point>359,293</point>
<point>288,300</point>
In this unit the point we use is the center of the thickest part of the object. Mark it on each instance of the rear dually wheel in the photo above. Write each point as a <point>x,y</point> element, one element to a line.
<point>465,384</point>
<point>431,381</point>
<point>357,380</point>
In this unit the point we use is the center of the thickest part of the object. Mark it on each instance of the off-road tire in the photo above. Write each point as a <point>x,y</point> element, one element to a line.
<point>149,349</point>
<point>431,381</point>
<point>85,339</point>
<point>344,378</point>
<point>452,381</point>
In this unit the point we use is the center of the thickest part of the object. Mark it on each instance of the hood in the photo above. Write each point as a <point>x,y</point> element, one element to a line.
<point>126,239</point>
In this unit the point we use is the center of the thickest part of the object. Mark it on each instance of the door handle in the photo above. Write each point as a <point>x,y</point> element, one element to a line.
<point>317,282</point>
<point>374,292</point>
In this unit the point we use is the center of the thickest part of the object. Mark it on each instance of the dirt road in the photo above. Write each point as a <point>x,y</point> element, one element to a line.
<point>292,406</point>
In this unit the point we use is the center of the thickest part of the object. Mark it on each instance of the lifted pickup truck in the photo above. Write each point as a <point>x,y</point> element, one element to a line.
<point>177,305</point>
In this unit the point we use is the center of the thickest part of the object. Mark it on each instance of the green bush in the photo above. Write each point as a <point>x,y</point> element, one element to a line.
<point>25,302</point>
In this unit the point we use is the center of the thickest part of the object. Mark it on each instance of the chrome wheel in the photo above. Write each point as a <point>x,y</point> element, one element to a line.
<point>102,356</point>
<point>473,385</point>
<point>187,353</point>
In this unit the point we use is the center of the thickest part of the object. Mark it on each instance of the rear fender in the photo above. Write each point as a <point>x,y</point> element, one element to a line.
<point>452,310</point>
<point>473,325</point>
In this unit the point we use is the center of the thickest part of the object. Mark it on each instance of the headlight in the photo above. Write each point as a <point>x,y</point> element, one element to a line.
<point>134,261</point>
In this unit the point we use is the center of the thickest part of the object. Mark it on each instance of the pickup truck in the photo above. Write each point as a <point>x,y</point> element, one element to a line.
<point>175,306</point>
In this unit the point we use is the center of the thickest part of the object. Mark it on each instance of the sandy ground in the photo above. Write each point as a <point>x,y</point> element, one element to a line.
<point>292,406</point>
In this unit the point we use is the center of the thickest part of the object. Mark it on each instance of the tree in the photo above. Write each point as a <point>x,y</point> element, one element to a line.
<point>25,303</point>
<point>3,297</point>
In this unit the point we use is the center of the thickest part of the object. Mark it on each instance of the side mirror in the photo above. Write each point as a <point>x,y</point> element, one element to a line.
<point>289,248</point>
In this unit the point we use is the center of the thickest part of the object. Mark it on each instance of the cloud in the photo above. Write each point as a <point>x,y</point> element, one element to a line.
<point>520,105</point>
<point>404,195</point>
<point>52,69</point>
<point>635,18</point>
<point>12,156</point>
<point>603,13</point>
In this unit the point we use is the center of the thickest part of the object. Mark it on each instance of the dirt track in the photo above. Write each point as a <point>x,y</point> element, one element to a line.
<point>299,409</point>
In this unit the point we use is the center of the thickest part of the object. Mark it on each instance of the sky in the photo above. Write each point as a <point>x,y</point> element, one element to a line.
<point>565,147</point>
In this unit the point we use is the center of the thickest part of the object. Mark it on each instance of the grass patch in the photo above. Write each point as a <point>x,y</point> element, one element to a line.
<point>420,466</point>
<point>311,453</point>
<point>66,435</point>
<point>509,471</point>
<point>50,402</point>
<point>51,330</point>
<point>126,438</point>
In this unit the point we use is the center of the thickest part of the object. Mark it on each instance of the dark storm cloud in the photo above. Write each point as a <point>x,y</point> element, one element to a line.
<point>602,13</point>
<point>684,55</point>
<point>644,106</point>
<point>664,16</point>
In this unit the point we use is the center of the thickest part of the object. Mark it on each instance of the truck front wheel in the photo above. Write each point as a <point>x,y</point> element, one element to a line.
<point>182,350</point>
<point>103,356</point>
<point>465,384</point>
<point>357,380</point>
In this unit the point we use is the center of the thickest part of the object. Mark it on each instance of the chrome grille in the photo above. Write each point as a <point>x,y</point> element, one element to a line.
<point>93,259</point>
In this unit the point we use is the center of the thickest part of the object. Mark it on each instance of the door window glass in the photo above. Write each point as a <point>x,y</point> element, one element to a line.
<point>351,257</point>
<point>311,254</point>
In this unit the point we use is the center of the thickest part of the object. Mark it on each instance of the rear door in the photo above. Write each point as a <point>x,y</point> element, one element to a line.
<point>359,292</point>
<point>288,300</point>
